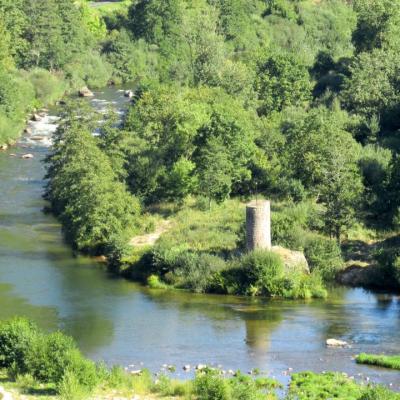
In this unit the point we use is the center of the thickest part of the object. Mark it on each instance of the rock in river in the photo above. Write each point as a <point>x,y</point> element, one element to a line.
<point>336,343</point>
<point>27,156</point>
<point>85,92</point>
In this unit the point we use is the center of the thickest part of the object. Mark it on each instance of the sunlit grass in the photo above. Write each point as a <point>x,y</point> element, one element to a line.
<point>392,362</point>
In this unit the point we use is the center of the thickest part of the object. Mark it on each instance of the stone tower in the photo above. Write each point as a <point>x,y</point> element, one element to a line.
<point>258,225</point>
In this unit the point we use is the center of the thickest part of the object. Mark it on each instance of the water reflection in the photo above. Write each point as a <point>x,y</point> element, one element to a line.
<point>122,322</point>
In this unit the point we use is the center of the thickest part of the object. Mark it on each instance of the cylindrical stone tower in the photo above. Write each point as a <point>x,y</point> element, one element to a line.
<point>258,225</point>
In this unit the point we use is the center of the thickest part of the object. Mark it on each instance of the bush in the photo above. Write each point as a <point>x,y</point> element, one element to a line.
<point>48,86</point>
<point>153,281</point>
<point>94,72</point>
<point>263,273</point>
<point>379,393</point>
<point>388,268</point>
<point>70,388</point>
<point>308,385</point>
<point>49,356</point>
<point>52,356</point>
<point>209,385</point>
<point>186,269</point>
<point>324,255</point>
<point>16,339</point>
<point>245,388</point>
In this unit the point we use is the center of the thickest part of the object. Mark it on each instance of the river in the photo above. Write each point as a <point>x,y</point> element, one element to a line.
<point>124,323</point>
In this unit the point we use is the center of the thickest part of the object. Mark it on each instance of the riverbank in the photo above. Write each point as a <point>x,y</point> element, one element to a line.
<point>39,365</point>
<point>113,319</point>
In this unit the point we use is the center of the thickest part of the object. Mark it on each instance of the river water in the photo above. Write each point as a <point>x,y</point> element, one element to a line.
<point>124,323</point>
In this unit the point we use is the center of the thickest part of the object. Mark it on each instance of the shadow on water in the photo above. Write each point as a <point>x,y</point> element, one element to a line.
<point>12,306</point>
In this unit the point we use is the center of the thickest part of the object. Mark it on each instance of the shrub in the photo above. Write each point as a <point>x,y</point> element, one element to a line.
<point>209,385</point>
<point>245,388</point>
<point>308,386</point>
<point>16,339</point>
<point>153,281</point>
<point>388,267</point>
<point>264,272</point>
<point>186,269</point>
<point>70,388</point>
<point>379,393</point>
<point>49,356</point>
<point>324,255</point>
<point>94,72</point>
<point>52,356</point>
<point>48,86</point>
<point>118,378</point>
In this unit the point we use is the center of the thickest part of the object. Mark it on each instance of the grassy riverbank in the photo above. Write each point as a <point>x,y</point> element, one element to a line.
<point>40,366</point>
<point>384,361</point>
<point>204,251</point>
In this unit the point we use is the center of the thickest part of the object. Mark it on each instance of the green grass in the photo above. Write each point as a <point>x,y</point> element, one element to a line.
<point>218,230</point>
<point>335,385</point>
<point>392,362</point>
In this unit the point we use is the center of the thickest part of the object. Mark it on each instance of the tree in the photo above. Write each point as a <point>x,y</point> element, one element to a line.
<point>281,82</point>
<point>85,193</point>
<point>155,20</point>
<point>206,49</point>
<point>15,20</point>
<point>378,25</point>
<point>181,180</point>
<point>340,191</point>
<point>236,136</point>
<point>215,171</point>
<point>373,87</point>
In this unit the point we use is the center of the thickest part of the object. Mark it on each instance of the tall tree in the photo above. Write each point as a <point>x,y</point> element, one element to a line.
<point>281,81</point>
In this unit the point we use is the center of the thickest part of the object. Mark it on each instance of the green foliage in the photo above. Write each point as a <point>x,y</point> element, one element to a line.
<point>181,138</point>
<point>93,205</point>
<point>16,338</point>
<point>94,72</point>
<point>310,386</point>
<point>392,362</point>
<point>281,82</point>
<point>377,24</point>
<point>48,86</point>
<point>185,269</point>
<point>52,358</point>
<point>324,255</point>
<point>263,272</point>
<point>379,393</point>
<point>48,357</point>
<point>210,385</point>
<point>215,173</point>
<point>372,89</point>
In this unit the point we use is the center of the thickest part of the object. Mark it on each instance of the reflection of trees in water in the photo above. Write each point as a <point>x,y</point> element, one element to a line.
<point>13,306</point>
<point>260,316</point>
<point>90,330</point>
<point>85,294</point>
<point>357,314</point>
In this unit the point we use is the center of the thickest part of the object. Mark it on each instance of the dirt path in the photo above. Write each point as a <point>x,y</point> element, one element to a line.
<point>150,238</point>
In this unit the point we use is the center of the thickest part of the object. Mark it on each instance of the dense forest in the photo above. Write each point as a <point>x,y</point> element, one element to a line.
<point>294,100</point>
